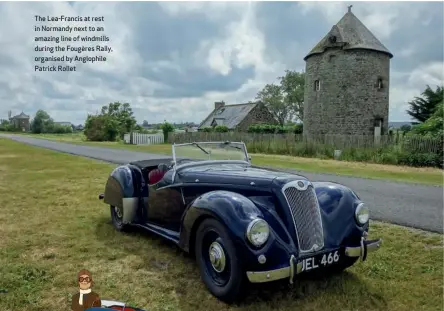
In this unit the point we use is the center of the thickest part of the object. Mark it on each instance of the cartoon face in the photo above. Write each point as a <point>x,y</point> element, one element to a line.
<point>85,281</point>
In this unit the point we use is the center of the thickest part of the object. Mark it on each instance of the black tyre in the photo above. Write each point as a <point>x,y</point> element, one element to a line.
<point>117,218</point>
<point>219,266</point>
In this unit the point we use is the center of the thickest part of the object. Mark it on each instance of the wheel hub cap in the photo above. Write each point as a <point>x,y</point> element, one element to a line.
<point>217,257</point>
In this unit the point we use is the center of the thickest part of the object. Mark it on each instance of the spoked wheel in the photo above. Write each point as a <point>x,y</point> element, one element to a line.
<point>216,256</point>
<point>117,218</point>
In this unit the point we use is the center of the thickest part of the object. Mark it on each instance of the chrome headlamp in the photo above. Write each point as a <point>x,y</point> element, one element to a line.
<point>362,214</point>
<point>258,232</point>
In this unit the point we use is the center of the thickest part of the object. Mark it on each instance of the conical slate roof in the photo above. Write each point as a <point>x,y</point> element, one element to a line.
<point>350,33</point>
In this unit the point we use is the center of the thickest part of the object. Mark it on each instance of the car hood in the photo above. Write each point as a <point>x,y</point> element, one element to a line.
<point>234,174</point>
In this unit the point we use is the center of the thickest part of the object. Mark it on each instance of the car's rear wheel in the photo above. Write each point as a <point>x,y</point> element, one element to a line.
<point>117,218</point>
<point>216,256</point>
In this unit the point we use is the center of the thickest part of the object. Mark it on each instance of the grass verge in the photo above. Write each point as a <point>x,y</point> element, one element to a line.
<point>427,176</point>
<point>52,225</point>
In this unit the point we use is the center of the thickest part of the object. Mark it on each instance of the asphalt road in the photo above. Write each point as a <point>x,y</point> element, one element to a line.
<point>412,205</point>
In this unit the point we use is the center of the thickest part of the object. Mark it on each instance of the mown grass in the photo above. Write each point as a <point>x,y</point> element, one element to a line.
<point>427,176</point>
<point>52,225</point>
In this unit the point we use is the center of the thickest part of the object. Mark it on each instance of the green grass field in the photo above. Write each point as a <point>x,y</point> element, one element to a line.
<point>427,176</point>
<point>52,225</point>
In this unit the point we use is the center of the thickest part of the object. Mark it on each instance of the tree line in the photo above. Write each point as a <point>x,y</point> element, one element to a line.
<point>284,99</point>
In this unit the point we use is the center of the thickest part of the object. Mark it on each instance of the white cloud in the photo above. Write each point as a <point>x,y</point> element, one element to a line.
<point>232,63</point>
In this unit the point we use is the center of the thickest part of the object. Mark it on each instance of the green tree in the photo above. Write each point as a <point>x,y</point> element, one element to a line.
<point>433,126</point>
<point>123,115</point>
<point>271,96</point>
<point>42,122</point>
<point>421,108</point>
<point>292,85</point>
<point>101,128</point>
<point>166,129</point>
<point>286,99</point>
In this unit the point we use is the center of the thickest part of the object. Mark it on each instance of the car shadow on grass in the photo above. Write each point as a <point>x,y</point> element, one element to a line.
<point>193,295</point>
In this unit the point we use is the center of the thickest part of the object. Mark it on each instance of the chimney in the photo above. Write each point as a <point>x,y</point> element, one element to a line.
<point>9,114</point>
<point>217,105</point>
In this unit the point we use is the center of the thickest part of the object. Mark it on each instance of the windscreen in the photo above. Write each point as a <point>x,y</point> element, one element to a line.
<point>211,151</point>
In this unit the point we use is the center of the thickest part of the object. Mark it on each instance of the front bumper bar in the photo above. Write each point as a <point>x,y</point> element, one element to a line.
<point>296,267</point>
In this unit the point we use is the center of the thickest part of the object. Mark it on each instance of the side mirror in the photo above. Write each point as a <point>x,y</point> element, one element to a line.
<point>249,158</point>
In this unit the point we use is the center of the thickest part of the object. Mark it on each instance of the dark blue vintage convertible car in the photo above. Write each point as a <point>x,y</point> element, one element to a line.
<point>242,223</point>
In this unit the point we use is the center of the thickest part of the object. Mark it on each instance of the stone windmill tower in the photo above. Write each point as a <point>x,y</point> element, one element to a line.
<point>347,82</point>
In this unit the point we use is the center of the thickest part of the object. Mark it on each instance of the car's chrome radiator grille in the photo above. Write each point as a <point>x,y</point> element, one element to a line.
<point>304,208</point>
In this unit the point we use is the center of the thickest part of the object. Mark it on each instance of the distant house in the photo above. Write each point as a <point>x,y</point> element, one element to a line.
<point>238,117</point>
<point>191,129</point>
<point>79,127</point>
<point>64,123</point>
<point>21,121</point>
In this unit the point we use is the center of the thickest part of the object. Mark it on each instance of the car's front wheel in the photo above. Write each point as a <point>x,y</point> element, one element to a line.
<point>117,218</point>
<point>219,266</point>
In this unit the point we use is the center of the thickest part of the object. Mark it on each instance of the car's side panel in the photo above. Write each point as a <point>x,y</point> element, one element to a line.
<point>236,211</point>
<point>166,207</point>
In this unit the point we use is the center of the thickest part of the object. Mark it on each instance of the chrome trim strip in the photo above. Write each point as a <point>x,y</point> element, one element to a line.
<point>358,251</point>
<point>268,276</point>
<point>291,268</point>
<point>273,275</point>
<point>296,185</point>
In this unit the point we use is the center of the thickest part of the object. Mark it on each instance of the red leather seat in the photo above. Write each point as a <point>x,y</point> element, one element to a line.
<point>155,176</point>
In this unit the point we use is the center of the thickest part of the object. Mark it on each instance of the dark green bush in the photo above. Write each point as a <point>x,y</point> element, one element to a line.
<point>275,129</point>
<point>207,129</point>
<point>221,129</point>
<point>101,128</point>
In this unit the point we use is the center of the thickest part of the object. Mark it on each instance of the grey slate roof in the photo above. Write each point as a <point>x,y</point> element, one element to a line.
<point>353,34</point>
<point>228,115</point>
<point>21,116</point>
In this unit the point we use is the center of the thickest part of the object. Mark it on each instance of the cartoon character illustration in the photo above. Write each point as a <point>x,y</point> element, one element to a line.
<point>85,298</point>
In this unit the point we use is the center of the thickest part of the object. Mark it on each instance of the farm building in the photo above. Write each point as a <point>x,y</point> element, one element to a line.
<point>238,117</point>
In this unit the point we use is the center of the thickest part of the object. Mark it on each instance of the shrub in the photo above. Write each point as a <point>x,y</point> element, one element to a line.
<point>221,129</point>
<point>101,128</point>
<point>166,129</point>
<point>207,129</point>
<point>275,129</point>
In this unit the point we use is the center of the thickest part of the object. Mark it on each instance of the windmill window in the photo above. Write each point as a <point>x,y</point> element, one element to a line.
<point>380,84</point>
<point>317,85</point>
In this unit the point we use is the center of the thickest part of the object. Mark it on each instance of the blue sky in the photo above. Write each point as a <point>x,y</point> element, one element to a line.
<point>172,60</point>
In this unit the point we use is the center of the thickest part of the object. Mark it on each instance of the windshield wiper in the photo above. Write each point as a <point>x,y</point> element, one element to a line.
<point>206,152</point>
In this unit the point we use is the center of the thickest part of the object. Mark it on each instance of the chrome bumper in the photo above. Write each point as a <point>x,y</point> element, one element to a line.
<point>362,250</point>
<point>296,267</point>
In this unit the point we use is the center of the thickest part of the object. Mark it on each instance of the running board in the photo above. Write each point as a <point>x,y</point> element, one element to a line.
<point>168,234</point>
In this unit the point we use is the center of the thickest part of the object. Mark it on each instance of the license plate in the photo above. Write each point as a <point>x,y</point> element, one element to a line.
<point>320,261</point>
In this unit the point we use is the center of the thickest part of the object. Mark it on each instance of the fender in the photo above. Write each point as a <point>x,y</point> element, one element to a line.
<point>338,204</point>
<point>236,212</point>
<point>125,188</point>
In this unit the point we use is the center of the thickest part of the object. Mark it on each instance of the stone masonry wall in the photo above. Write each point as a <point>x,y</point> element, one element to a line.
<point>258,115</point>
<point>349,99</point>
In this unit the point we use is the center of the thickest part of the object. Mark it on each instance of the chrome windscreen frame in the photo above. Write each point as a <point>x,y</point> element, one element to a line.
<point>206,162</point>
